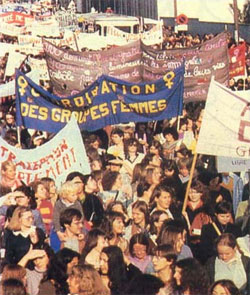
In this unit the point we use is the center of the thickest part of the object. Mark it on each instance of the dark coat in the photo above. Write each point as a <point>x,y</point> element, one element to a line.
<point>208,237</point>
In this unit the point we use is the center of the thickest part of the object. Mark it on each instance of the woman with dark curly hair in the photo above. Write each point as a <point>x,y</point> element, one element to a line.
<point>115,272</point>
<point>190,277</point>
<point>113,225</point>
<point>112,183</point>
<point>95,242</point>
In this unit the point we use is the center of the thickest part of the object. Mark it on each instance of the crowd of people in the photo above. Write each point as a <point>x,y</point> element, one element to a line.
<point>142,222</point>
<point>127,228</point>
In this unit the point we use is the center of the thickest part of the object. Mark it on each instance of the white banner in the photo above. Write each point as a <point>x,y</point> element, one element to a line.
<point>10,29</point>
<point>15,59</point>
<point>61,155</point>
<point>225,164</point>
<point>151,37</point>
<point>225,129</point>
<point>40,67</point>
<point>9,88</point>
<point>91,41</point>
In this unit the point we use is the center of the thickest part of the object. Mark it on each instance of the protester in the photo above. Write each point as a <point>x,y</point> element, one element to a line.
<point>135,170</point>
<point>229,263</point>
<point>191,277</point>
<point>21,235</point>
<point>84,279</point>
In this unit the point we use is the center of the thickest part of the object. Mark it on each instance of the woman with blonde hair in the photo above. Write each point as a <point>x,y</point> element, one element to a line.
<point>85,280</point>
<point>9,181</point>
<point>21,234</point>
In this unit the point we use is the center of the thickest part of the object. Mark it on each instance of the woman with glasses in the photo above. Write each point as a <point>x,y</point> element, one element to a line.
<point>132,156</point>
<point>21,234</point>
<point>24,196</point>
<point>139,250</point>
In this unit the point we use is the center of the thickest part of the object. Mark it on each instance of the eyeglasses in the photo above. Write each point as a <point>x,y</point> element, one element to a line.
<point>133,144</point>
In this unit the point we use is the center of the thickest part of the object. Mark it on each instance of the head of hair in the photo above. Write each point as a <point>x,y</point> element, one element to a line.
<point>7,164</point>
<point>172,131</point>
<point>35,184</point>
<point>130,142</point>
<point>14,223</point>
<point>142,207</point>
<point>157,145</point>
<point>111,205</point>
<point>66,217</point>
<point>29,192</point>
<point>167,251</point>
<point>169,231</point>
<point>157,192</point>
<point>136,173</point>
<point>88,280</point>
<point>46,181</point>
<point>226,284</point>
<point>117,131</point>
<point>74,174</point>
<point>91,241</point>
<point>223,207</point>
<point>142,187</point>
<point>13,287</point>
<point>117,272</point>
<point>154,217</point>
<point>170,165</point>
<point>109,179</point>
<point>193,276</point>
<point>65,256</point>
<point>226,239</point>
<point>13,271</point>
<point>67,187</point>
<point>107,223</point>
<point>184,162</point>
<point>141,239</point>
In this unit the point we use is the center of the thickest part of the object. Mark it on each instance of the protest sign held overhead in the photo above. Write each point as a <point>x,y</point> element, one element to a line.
<point>201,62</point>
<point>71,71</point>
<point>107,101</point>
<point>62,154</point>
<point>225,129</point>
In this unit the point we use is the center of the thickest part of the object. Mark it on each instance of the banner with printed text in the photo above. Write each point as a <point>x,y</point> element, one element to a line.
<point>201,62</point>
<point>58,157</point>
<point>70,71</point>
<point>225,128</point>
<point>107,101</point>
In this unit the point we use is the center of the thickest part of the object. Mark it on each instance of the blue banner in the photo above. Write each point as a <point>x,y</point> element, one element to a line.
<point>107,101</point>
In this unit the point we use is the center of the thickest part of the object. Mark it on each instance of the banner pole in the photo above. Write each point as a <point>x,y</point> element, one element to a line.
<point>19,136</point>
<point>189,184</point>
<point>77,48</point>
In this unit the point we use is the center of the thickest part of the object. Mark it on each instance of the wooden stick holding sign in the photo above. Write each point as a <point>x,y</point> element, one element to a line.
<point>189,184</point>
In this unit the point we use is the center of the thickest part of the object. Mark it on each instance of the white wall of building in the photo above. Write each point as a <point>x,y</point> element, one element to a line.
<point>205,10</point>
